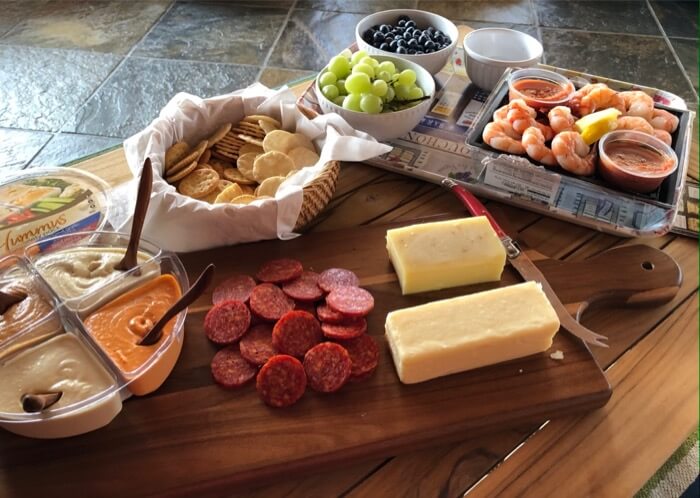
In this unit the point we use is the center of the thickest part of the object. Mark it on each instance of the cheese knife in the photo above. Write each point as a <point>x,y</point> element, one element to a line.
<point>522,263</point>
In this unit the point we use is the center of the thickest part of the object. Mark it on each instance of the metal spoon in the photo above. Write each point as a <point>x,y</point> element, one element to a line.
<point>143,197</point>
<point>36,402</point>
<point>7,300</point>
<point>187,298</point>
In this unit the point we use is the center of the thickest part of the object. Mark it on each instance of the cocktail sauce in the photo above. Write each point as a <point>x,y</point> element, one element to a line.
<point>539,93</point>
<point>638,158</point>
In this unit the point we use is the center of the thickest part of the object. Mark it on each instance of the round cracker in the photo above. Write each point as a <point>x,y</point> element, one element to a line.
<point>246,164</point>
<point>220,133</point>
<point>302,157</point>
<point>271,164</point>
<point>204,166</point>
<point>223,154</point>
<point>250,140</point>
<point>267,127</point>
<point>211,197</point>
<point>222,184</point>
<point>246,148</point>
<point>175,153</point>
<point>230,192</point>
<point>279,140</point>
<point>243,199</point>
<point>182,173</point>
<point>269,186</point>
<point>199,183</point>
<point>248,189</point>
<point>254,118</point>
<point>204,158</point>
<point>217,167</point>
<point>233,175</point>
<point>304,141</point>
<point>185,161</point>
<point>224,163</point>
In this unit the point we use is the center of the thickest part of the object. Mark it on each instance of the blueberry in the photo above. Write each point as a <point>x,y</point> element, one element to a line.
<point>407,36</point>
<point>401,23</point>
<point>429,44</point>
<point>376,27</point>
<point>401,50</point>
<point>413,43</point>
<point>408,31</point>
<point>367,35</point>
<point>429,50</point>
<point>378,37</point>
<point>438,32</point>
<point>401,42</point>
<point>385,28</point>
<point>411,51</point>
<point>393,44</point>
<point>423,39</point>
<point>385,47</point>
<point>410,24</point>
<point>404,18</point>
<point>418,52</point>
<point>416,34</point>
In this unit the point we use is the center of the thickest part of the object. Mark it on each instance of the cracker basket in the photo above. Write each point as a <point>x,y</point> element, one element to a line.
<point>317,195</point>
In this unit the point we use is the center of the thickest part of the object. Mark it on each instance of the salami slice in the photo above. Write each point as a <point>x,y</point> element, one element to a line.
<point>295,333</point>
<point>230,370</point>
<point>226,322</point>
<point>350,301</point>
<point>304,288</point>
<point>277,271</point>
<point>364,354</point>
<point>256,345</point>
<point>236,287</point>
<point>337,277</point>
<point>349,329</point>
<point>327,366</point>
<point>269,302</point>
<point>327,315</point>
<point>281,381</point>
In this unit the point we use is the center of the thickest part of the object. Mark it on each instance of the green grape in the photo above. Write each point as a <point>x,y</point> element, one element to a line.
<point>358,83</point>
<point>407,77</point>
<point>363,68</point>
<point>402,91</point>
<point>390,94</point>
<point>346,53</point>
<point>330,91</point>
<point>358,56</point>
<point>415,93</point>
<point>387,66</point>
<point>384,75</point>
<point>370,62</point>
<point>341,87</point>
<point>379,88</point>
<point>339,100</point>
<point>327,78</point>
<point>371,104</point>
<point>352,102</point>
<point>339,66</point>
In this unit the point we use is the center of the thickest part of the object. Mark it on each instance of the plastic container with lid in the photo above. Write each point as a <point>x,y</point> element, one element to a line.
<point>48,201</point>
<point>539,88</point>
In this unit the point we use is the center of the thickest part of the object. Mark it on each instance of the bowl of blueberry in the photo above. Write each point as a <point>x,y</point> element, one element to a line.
<point>415,35</point>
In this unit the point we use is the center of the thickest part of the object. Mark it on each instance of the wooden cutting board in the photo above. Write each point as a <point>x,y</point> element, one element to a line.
<point>192,437</point>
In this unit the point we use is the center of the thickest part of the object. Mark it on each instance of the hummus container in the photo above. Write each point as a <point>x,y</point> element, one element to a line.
<point>44,202</point>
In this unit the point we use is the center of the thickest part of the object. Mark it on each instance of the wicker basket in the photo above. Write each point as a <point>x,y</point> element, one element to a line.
<point>317,194</point>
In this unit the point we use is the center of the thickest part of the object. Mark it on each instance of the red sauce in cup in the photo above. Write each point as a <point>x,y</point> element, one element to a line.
<point>637,158</point>
<point>540,93</point>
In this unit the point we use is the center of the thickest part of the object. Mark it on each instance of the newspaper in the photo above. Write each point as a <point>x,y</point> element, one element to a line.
<point>686,222</point>
<point>438,147</point>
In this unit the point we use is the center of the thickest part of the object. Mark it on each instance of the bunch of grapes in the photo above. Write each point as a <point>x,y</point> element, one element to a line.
<point>360,83</point>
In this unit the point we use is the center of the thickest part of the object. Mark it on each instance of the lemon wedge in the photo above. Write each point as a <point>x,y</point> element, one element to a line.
<point>597,124</point>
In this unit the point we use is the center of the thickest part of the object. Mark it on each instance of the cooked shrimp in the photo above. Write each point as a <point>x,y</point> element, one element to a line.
<point>637,103</point>
<point>499,116</point>
<point>520,115</point>
<point>634,123</point>
<point>664,120</point>
<point>664,136</point>
<point>495,134</point>
<point>546,130</point>
<point>533,141</point>
<point>561,119</point>
<point>573,154</point>
<point>595,97</point>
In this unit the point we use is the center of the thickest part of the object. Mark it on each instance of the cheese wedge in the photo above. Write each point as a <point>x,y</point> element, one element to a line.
<point>444,254</point>
<point>466,332</point>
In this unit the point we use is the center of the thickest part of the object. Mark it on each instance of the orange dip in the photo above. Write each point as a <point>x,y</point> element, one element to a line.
<point>119,325</point>
<point>536,91</point>
<point>638,158</point>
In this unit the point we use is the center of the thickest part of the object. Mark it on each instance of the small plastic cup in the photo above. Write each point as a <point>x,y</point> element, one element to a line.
<point>539,88</point>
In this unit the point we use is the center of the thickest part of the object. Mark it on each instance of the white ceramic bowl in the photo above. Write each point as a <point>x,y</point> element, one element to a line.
<point>431,62</point>
<point>387,125</point>
<point>490,51</point>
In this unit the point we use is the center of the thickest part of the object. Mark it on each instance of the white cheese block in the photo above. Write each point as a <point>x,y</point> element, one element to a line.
<point>466,332</point>
<point>444,254</point>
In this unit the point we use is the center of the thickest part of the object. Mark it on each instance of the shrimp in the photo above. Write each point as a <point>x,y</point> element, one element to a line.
<point>634,123</point>
<point>664,120</point>
<point>495,134</point>
<point>520,115</point>
<point>637,103</point>
<point>664,136</point>
<point>533,142</point>
<point>595,97</point>
<point>546,130</point>
<point>573,154</point>
<point>561,119</point>
<point>499,116</point>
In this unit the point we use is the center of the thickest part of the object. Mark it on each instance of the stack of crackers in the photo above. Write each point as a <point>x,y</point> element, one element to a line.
<point>240,162</point>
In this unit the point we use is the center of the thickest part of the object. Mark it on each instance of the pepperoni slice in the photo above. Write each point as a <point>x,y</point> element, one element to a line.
<point>327,367</point>
<point>281,381</point>
<point>304,288</point>
<point>279,270</point>
<point>230,370</point>
<point>295,333</point>
<point>333,278</point>
<point>256,345</point>
<point>327,315</point>
<point>236,287</point>
<point>351,301</point>
<point>364,353</point>
<point>269,302</point>
<point>226,322</point>
<point>349,329</point>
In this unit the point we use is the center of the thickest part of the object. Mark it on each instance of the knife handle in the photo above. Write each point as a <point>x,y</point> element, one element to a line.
<point>473,205</point>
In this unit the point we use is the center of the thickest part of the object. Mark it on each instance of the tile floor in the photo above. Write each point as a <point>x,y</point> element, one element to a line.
<point>77,77</point>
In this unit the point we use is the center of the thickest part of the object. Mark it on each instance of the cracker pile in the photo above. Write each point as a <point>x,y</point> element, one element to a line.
<point>240,162</point>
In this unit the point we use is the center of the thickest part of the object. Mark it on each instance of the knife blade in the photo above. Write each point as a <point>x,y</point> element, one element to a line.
<point>523,265</point>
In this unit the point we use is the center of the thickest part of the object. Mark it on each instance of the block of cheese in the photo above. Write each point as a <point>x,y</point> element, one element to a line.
<point>444,254</point>
<point>466,332</point>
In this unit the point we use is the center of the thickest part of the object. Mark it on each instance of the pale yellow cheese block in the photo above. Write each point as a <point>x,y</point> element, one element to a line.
<point>466,332</point>
<point>444,254</point>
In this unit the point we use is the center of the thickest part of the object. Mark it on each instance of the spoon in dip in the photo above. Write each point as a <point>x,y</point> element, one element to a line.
<point>7,300</point>
<point>143,197</point>
<point>187,298</point>
<point>34,403</point>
